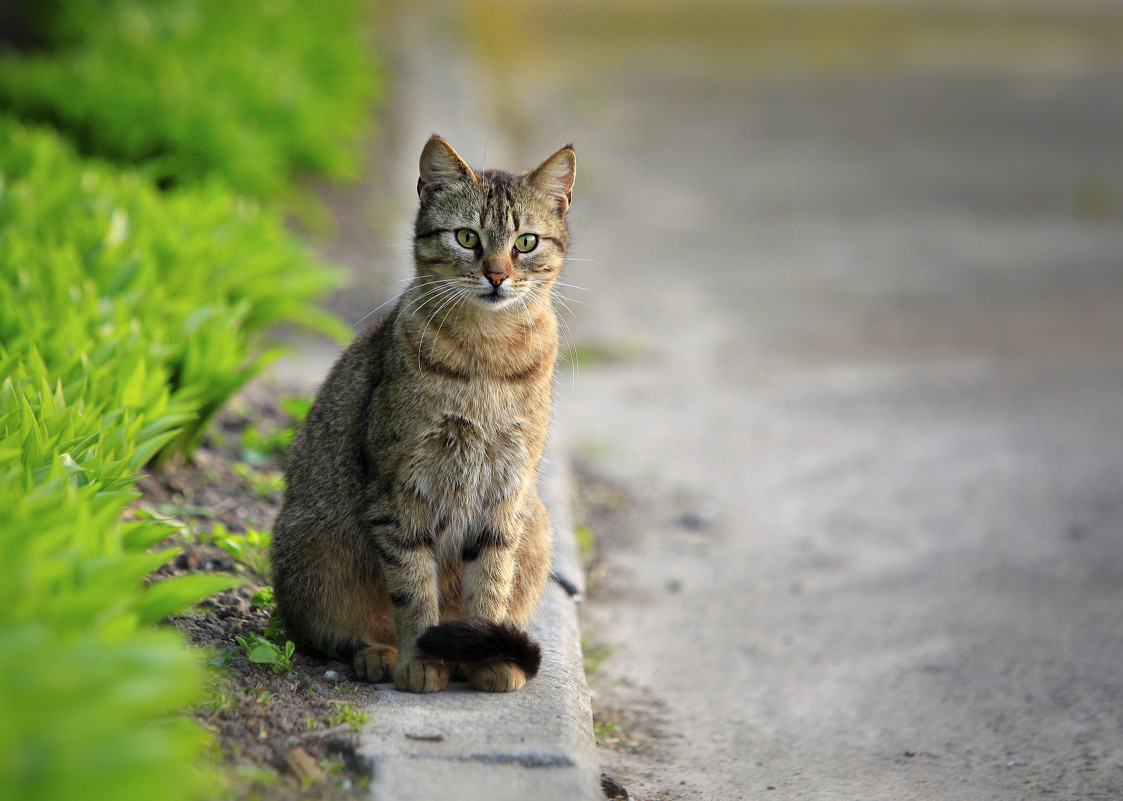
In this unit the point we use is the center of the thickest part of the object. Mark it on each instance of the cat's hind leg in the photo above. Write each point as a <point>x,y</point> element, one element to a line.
<point>330,596</point>
<point>375,663</point>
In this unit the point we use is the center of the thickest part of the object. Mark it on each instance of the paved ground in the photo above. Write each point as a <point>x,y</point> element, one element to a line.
<point>852,330</point>
<point>863,321</point>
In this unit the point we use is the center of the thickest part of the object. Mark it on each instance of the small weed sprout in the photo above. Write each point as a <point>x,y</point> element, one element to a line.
<point>262,651</point>
<point>266,484</point>
<point>595,655</point>
<point>251,547</point>
<point>261,444</point>
<point>347,714</point>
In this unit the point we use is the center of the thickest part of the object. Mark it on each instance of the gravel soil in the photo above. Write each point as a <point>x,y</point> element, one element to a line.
<point>282,734</point>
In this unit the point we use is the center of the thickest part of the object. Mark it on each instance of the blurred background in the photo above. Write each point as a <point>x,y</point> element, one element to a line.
<point>843,390</point>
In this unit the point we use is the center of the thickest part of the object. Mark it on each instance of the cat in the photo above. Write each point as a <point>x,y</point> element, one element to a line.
<point>412,483</point>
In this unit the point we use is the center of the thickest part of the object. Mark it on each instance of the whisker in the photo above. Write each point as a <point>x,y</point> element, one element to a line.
<point>454,293</point>
<point>437,296</point>
<point>567,334</point>
<point>574,366</point>
<point>530,319</point>
<point>463,294</point>
<point>565,301</point>
<point>395,297</point>
<point>430,294</point>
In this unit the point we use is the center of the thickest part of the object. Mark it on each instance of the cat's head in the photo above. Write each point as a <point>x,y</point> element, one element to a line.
<point>492,237</point>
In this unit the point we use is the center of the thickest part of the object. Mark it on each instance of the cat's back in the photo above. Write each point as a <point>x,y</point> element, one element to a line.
<point>326,454</point>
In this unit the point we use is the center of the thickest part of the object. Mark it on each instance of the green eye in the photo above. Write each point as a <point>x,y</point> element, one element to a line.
<point>467,237</point>
<point>526,243</point>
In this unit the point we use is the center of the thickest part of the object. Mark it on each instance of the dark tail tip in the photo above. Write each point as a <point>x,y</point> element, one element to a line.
<point>481,640</point>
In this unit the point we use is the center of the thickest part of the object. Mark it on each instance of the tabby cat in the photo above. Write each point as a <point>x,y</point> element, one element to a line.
<point>412,495</point>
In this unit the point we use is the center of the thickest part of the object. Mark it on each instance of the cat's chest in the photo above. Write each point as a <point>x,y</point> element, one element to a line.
<point>466,456</point>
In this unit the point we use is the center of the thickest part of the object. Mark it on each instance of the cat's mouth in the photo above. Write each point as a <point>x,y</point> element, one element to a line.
<point>496,296</point>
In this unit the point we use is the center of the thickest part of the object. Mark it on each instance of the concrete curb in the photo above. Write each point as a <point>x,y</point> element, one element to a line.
<point>534,743</point>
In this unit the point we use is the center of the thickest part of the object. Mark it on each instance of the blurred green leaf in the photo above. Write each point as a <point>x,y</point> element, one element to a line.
<point>175,594</point>
<point>255,93</point>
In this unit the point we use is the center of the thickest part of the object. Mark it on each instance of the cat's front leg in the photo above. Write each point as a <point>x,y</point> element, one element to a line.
<point>488,578</point>
<point>410,572</point>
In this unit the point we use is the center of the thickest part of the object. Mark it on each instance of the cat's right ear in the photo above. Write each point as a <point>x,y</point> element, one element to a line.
<point>554,176</point>
<point>440,165</point>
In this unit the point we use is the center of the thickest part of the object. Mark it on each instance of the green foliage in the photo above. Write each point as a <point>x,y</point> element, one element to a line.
<point>127,316</point>
<point>177,287</point>
<point>603,728</point>
<point>252,92</point>
<point>595,655</point>
<point>266,484</point>
<point>262,443</point>
<point>586,543</point>
<point>263,651</point>
<point>263,598</point>
<point>88,688</point>
<point>250,547</point>
<point>347,714</point>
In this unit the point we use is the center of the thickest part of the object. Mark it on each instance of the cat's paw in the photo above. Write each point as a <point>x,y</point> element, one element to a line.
<point>495,677</point>
<point>375,663</point>
<point>421,676</point>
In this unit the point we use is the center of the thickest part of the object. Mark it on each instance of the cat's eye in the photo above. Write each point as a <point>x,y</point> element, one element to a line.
<point>467,237</point>
<point>526,243</point>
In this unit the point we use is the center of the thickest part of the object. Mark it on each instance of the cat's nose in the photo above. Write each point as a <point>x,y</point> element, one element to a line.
<point>497,270</point>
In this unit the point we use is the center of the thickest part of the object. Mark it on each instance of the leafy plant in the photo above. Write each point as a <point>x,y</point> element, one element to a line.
<point>263,598</point>
<point>254,93</point>
<point>250,547</point>
<point>262,444</point>
<point>347,714</point>
<point>266,484</point>
<point>88,687</point>
<point>262,651</point>
<point>127,316</point>
<point>179,287</point>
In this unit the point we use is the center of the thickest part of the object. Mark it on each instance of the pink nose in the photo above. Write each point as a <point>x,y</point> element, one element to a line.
<point>496,277</point>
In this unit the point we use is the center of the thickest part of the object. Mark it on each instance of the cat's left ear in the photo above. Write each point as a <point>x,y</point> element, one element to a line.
<point>440,165</point>
<point>555,175</point>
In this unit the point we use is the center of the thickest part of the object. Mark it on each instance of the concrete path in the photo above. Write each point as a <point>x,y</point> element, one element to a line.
<point>863,321</point>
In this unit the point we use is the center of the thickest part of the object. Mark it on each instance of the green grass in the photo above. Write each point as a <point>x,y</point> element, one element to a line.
<point>263,651</point>
<point>89,688</point>
<point>250,547</point>
<point>595,654</point>
<point>133,303</point>
<point>182,286</point>
<point>256,93</point>
<point>127,317</point>
<point>263,444</point>
<point>347,714</point>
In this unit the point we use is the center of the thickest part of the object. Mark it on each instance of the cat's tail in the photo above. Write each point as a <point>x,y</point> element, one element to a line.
<point>480,640</point>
